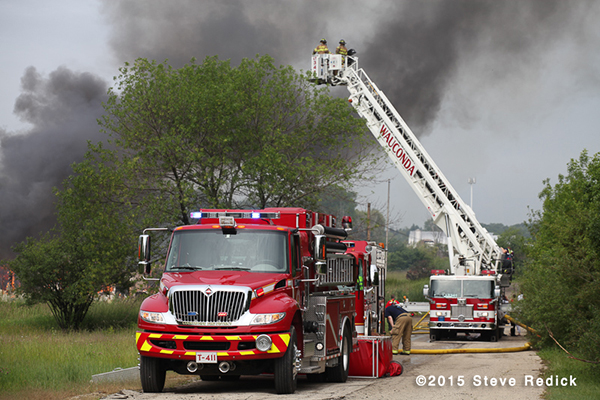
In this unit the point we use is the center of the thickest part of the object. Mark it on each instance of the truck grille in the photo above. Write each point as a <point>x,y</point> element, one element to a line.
<point>466,311</point>
<point>208,306</point>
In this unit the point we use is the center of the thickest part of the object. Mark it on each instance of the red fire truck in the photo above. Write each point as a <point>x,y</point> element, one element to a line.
<point>247,292</point>
<point>468,298</point>
<point>370,287</point>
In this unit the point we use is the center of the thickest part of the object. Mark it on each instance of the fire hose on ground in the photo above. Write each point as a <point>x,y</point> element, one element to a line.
<point>481,350</point>
<point>511,319</point>
<point>422,329</point>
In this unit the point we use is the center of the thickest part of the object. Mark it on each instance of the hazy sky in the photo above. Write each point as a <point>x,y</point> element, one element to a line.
<point>506,92</point>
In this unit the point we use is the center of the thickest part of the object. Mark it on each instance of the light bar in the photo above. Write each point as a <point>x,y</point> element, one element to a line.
<point>238,215</point>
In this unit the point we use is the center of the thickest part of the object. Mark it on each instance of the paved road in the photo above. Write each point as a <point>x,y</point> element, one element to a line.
<point>447,376</point>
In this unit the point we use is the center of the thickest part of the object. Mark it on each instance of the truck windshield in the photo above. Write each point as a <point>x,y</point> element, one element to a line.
<point>478,288</point>
<point>247,250</point>
<point>445,288</point>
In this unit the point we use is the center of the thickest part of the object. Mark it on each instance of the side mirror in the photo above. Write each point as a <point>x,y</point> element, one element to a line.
<point>144,254</point>
<point>497,292</point>
<point>320,254</point>
<point>375,279</point>
<point>320,248</point>
<point>426,291</point>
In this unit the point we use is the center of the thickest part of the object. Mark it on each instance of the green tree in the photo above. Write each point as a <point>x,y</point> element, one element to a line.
<point>561,283</point>
<point>46,268</point>
<point>88,251</point>
<point>513,238</point>
<point>369,224</point>
<point>421,258</point>
<point>429,225</point>
<point>210,135</point>
<point>339,202</point>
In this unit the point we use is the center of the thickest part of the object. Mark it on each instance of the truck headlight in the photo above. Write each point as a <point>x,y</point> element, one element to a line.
<point>153,317</point>
<point>264,319</point>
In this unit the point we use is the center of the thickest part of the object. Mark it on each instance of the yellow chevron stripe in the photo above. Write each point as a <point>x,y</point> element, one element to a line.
<point>190,353</point>
<point>167,351</point>
<point>207,338</point>
<point>180,337</point>
<point>222,354</point>
<point>146,346</point>
<point>155,335</point>
<point>233,338</point>
<point>247,353</point>
<point>273,349</point>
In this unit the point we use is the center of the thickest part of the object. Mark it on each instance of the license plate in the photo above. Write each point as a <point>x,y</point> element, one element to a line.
<point>206,357</point>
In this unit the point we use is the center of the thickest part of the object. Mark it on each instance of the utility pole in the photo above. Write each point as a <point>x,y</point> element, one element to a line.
<point>387,224</point>
<point>368,221</point>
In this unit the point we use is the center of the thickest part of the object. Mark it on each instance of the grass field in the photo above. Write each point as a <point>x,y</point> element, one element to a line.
<point>39,361</point>
<point>559,365</point>
<point>397,284</point>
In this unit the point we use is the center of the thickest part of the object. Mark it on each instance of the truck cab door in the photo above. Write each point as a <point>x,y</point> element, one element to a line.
<point>297,271</point>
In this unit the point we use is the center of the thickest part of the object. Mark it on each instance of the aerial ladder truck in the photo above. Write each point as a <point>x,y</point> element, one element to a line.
<point>467,298</point>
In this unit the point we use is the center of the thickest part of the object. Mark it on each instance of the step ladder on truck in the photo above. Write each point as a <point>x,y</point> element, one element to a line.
<point>467,298</point>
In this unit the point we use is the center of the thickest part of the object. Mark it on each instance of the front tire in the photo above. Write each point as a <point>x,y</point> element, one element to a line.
<point>152,374</point>
<point>286,375</point>
<point>494,335</point>
<point>339,373</point>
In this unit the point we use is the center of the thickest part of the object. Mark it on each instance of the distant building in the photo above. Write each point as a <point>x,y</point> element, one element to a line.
<point>427,237</point>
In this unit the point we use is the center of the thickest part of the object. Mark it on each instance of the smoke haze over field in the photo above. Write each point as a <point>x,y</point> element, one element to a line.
<point>464,75</point>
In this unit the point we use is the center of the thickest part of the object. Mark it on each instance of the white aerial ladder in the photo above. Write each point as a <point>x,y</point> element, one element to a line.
<point>476,250</point>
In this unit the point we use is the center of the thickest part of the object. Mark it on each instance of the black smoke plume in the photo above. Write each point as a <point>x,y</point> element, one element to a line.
<point>62,109</point>
<point>411,49</point>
